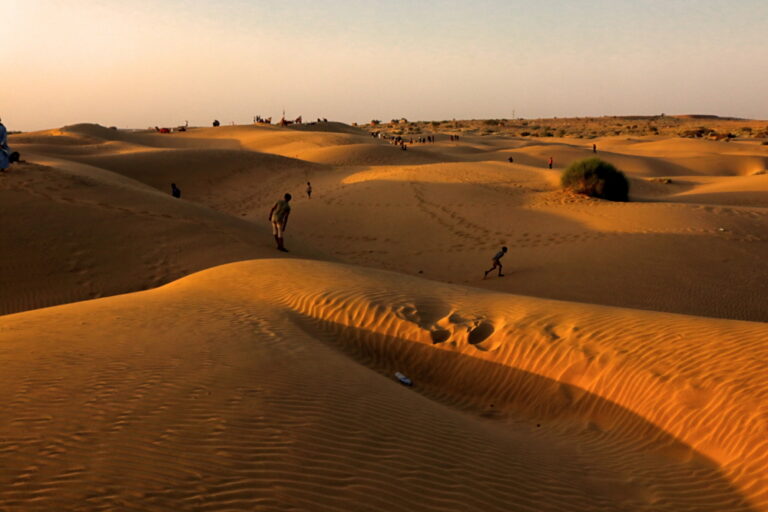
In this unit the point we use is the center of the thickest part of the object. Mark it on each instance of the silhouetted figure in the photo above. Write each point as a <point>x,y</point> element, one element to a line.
<point>551,161</point>
<point>594,148</point>
<point>496,262</point>
<point>5,151</point>
<point>511,160</point>
<point>309,190</point>
<point>278,216</point>
<point>216,123</point>
<point>175,191</point>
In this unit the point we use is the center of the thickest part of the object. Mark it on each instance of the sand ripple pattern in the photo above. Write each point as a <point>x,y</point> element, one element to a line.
<point>234,389</point>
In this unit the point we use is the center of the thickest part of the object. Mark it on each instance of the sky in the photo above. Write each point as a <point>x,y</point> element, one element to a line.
<point>141,63</point>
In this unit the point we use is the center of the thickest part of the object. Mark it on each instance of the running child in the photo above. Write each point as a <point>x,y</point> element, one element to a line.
<point>496,262</point>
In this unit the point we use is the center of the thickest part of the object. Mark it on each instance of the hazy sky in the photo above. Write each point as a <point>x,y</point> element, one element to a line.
<point>142,63</point>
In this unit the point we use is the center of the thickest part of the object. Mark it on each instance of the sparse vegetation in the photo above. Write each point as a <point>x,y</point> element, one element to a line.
<point>688,126</point>
<point>596,178</point>
<point>698,133</point>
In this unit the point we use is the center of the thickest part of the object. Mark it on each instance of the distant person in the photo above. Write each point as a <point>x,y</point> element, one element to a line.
<point>551,161</point>
<point>278,216</point>
<point>511,160</point>
<point>216,123</point>
<point>496,262</point>
<point>175,191</point>
<point>309,190</point>
<point>594,148</point>
<point>5,151</point>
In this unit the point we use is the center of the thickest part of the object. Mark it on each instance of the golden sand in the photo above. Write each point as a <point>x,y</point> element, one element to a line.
<point>620,364</point>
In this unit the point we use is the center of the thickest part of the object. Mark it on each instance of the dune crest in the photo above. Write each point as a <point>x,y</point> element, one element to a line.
<point>540,391</point>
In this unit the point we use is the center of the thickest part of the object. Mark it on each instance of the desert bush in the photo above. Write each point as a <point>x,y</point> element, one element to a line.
<point>701,131</point>
<point>525,133</point>
<point>596,178</point>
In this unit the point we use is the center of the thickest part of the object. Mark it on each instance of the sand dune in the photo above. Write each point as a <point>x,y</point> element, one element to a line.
<point>66,224</point>
<point>367,154</point>
<point>243,389</point>
<point>268,384</point>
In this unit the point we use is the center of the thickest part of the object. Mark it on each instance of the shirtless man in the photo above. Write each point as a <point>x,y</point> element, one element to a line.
<point>496,262</point>
<point>278,216</point>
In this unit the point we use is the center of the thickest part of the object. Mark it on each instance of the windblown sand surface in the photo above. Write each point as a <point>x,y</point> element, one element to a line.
<point>268,384</point>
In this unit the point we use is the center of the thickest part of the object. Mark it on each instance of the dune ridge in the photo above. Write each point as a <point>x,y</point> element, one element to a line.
<point>267,398</point>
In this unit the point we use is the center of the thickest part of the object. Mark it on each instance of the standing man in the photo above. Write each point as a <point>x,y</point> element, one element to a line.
<point>175,191</point>
<point>594,148</point>
<point>278,216</point>
<point>551,161</point>
<point>309,190</point>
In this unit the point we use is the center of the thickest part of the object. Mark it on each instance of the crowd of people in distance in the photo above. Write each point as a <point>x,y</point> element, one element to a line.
<point>402,142</point>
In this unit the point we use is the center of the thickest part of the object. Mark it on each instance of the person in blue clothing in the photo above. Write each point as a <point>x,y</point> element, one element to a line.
<point>496,262</point>
<point>5,151</point>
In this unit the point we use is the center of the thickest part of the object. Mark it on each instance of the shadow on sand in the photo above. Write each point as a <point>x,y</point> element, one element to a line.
<point>673,474</point>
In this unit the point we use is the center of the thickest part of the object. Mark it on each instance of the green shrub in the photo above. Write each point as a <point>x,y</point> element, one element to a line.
<point>596,178</point>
